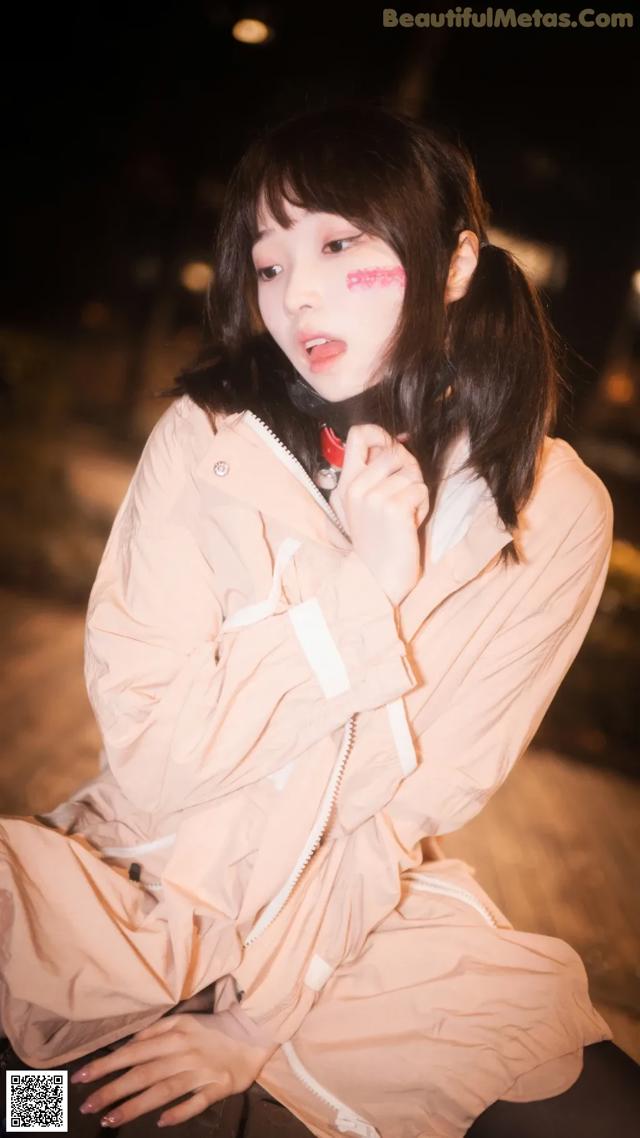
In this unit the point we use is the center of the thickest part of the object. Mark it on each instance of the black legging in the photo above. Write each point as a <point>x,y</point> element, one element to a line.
<point>603,1102</point>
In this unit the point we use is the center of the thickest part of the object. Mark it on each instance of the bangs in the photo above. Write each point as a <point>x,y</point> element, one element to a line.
<point>326,165</point>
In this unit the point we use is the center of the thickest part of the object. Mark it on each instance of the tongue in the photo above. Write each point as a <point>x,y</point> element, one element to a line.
<point>326,351</point>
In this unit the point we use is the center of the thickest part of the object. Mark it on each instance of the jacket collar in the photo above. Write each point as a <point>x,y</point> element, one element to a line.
<point>248,462</point>
<point>257,468</point>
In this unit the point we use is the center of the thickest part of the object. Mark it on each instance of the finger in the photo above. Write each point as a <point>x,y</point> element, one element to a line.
<point>383,478</point>
<point>151,1099</point>
<point>382,461</point>
<point>377,447</point>
<point>167,1023</point>
<point>359,440</point>
<point>138,1079</point>
<point>397,455</point>
<point>193,1106</point>
<point>422,511</point>
<point>392,460</point>
<point>400,439</point>
<point>393,447</point>
<point>126,1056</point>
<point>398,493</point>
<point>414,498</point>
<point>368,434</point>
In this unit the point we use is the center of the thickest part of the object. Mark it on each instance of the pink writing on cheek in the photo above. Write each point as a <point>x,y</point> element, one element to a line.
<point>368,278</point>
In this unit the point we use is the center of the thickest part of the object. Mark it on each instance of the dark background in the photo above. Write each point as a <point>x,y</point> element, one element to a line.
<point>126,119</point>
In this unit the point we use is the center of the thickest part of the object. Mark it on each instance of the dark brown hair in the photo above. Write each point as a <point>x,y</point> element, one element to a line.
<point>485,362</point>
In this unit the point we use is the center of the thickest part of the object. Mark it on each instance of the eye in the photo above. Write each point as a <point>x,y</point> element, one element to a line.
<point>338,245</point>
<point>341,241</point>
<point>268,273</point>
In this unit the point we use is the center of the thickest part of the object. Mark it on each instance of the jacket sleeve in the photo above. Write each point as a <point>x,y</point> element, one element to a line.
<point>467,747</point>
<point>180,707</point>
<point>470,745</point>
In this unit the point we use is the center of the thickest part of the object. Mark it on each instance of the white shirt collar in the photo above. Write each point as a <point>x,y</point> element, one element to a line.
<point>459,496</point>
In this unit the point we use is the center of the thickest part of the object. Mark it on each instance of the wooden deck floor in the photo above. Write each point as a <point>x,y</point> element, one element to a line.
<point>558,847</point>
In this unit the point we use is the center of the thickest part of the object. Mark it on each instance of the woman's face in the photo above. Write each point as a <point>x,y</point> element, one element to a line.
<point>324,280</point>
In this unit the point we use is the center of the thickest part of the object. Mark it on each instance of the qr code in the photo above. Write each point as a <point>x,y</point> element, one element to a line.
<point>37,1102</point>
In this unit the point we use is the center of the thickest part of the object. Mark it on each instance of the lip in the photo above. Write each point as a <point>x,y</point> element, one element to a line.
<point>324,365</point>
<point>314,334</point>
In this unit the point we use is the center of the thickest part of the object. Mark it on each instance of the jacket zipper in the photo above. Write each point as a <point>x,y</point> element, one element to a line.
<point>279,901</point>
<point>431,884</point>
<point>295,466</point>
<point>346,1121</point>
<point>313,841</point>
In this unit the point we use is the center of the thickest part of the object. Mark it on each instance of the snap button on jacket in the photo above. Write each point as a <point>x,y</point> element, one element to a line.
<point>281,749</point>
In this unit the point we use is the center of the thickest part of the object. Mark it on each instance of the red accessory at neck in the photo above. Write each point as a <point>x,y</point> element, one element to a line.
<point>332,446</point>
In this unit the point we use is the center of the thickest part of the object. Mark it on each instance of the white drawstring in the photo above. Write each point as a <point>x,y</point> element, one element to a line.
<point>141,848</point>
<point>251,614</point>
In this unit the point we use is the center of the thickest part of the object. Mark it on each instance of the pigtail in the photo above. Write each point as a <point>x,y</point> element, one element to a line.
<point>507,385</point>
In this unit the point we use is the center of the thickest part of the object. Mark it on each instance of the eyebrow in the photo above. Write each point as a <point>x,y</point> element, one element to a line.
<point>267,233</point>
<point>262,233</point>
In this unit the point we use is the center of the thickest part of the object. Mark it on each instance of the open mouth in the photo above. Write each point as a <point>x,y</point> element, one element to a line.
<point>321,348</point>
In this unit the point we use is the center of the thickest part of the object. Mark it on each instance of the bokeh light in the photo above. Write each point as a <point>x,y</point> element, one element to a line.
<point>196,276</point>
<point>251,31</point>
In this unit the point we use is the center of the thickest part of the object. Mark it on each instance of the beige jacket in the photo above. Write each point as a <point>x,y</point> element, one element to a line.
<point>281,747</point>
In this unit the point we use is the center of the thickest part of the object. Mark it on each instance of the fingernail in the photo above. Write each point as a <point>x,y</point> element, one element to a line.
<point>112,1119</point>
<point>80,1076</point>
<point>87,1107</point>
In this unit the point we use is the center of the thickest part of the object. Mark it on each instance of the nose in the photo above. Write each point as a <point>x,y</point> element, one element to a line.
<point>302,289</point>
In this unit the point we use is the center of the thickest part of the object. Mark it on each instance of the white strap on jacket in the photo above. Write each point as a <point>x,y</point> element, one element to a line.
<point>251,614</point>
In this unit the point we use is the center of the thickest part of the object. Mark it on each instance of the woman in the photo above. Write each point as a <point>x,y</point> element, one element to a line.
<point>298,695</point>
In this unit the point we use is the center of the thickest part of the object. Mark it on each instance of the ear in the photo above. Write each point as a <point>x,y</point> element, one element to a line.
<point>463,263</point>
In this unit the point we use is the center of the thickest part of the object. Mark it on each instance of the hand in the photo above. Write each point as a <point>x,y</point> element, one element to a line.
<point>381,500</point>
<point>177,1055</point>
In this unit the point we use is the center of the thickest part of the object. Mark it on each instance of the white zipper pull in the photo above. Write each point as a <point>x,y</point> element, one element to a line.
<point>346,1120</point>
<point>350,1124</point>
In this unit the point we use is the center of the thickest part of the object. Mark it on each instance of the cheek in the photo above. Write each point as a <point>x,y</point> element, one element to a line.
<point>267,309</point>
<point>377,296</point>
<point>373,280</point>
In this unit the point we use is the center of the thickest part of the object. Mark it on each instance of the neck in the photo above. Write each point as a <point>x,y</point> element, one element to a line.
<point>340,415</point>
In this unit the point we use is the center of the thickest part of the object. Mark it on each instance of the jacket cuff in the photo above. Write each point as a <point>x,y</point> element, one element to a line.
<point>350,636</point>
<point>238,1025</point>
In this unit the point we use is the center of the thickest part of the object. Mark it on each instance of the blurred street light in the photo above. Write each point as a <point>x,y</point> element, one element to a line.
<point>196,276</point>
<point>251,31</point>
<point>619,388</point>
